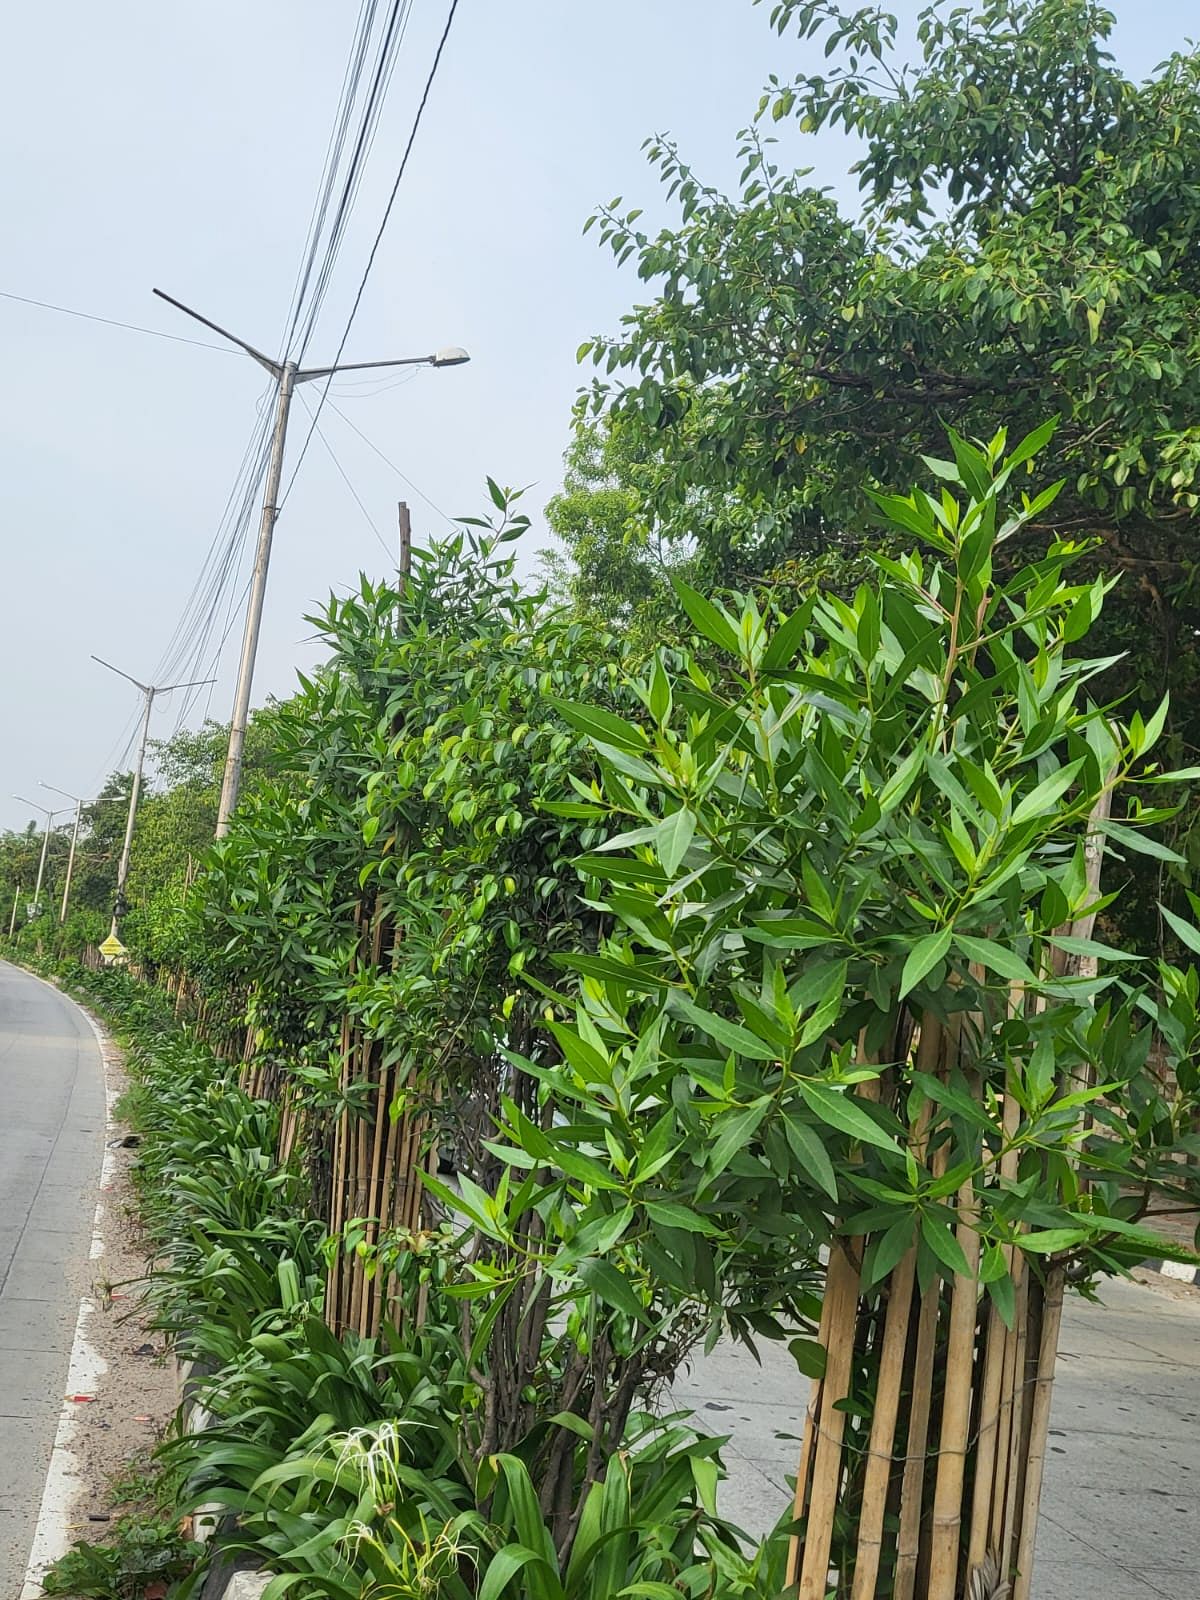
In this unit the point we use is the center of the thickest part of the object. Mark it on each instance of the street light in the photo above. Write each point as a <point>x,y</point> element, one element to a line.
<point>287,374</point>
<point>149,692</point>
<point>79,805</point>
<point>49,816</point>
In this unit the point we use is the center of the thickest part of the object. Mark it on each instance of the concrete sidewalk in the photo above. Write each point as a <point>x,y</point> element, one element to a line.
<point>1121,1504</point>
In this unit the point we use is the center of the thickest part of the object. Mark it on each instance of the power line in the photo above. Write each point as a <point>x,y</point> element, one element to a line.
<point>387,55</point>
<point>433,71</point>
<point>112,322</point>
<point>333,156</point>
<point>345,479</point>
<point>387,460</point>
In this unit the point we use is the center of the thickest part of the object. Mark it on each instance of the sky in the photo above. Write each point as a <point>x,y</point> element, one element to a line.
<point>178,146</point>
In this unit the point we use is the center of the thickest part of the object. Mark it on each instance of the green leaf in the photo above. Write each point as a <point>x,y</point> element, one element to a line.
<point>1041,800</point>
<point>731,1132</point>
<point>504,1566</point>
<point>672,837</point>
<point>638,977</point>
<point>954,1098</point>
<point>809,1356</point>
<point>1049,1241</point>
<point>945,1246</point>
<point>840,1110</point>
<point>811,1154</point>
<point>601,725</point>
<point>706,619</point>
<point>1029,446</point>
<point>1181,929</point>
<point>923,957</point>
<point>996,957</point>
<point>729,1035</point>
<point>1139,842</point>
<point>1004,1297</point>
<point>887,1249</point>
<point>1091,947</point>
<point>670,1215</point>
<point>603,1279</point>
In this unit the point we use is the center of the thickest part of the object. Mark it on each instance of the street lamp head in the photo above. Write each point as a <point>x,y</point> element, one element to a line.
<point>452,356</point>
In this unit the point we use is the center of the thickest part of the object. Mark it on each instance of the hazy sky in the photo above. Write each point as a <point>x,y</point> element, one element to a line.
<point>180,146</point>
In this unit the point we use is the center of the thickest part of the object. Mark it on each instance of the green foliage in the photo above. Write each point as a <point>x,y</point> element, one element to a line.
<point>418,769</point>
<point>878,811</point>
<point>612,564</point>
<point>352,1464</point>
<point>138,1550</point>
<point>1025,247</point>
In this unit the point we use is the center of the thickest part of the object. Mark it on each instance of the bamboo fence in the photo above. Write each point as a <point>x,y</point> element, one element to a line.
<point>941,1501</point>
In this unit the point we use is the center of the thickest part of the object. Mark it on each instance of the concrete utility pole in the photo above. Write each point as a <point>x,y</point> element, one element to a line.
<point>12,921</point>
<point>49,816</point>
<point>286,375</point>
<point>150,691</point>
<point>79,805</point>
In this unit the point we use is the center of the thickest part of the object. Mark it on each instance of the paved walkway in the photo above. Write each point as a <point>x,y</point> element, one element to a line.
<point>1121,1503</point>
<point>51,1144</point>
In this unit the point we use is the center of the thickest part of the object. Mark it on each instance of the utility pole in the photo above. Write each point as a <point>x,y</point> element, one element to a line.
<point>49,816</point>
<point>12,921</point>
<point>287,374</point>
<point>405,566</point>
<point>150,691</point>
<point>79,805</point>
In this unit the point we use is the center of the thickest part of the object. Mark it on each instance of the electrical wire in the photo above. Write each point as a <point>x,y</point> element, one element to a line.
<point>190,649</point>
<point>412,137</point>
<point>345,479</point>
<point>113,322</point>
<point>304,319</point>
<point>368,388</point>
<point>191,643</point>
<point>187,645</point>
<point>333,156</point>
<point>387,460</point>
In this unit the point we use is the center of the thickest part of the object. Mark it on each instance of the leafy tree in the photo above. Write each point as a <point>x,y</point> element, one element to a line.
<point>850,994</point>
<point>1025,246</point>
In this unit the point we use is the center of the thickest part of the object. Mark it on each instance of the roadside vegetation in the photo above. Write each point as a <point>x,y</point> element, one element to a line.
<point>782,931</point>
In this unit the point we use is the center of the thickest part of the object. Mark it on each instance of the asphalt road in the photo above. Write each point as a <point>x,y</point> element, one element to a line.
<point>1121,1498</point>
<point>52,1119</point>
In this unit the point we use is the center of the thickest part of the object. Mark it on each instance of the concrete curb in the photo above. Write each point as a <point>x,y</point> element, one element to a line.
<point>1177,1271</point>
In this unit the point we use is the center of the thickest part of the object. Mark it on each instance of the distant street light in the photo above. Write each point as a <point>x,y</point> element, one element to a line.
<point>49,816</point>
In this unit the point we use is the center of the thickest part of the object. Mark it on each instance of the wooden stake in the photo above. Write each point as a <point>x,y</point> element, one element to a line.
<point>956,1409</point>
<point>995,1410</point>
<point>1017,1419</point>
<point>841,1286</point>
<point>808,1443</point>
<point>883,1428</point>
<point>1039,1429</point>
<point>912,1493</point>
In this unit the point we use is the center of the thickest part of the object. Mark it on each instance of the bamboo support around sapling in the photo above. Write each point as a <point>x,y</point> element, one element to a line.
<point>888,1384</point>
<point>1039,1429</point>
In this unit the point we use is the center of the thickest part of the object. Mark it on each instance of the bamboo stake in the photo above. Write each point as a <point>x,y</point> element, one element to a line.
<point>1017,1419</point>
<point>912,1487</point>
<point>883,1428</point>
<point>842,1287</point>
<point>908,1541</point>
<point>1043,1391</point>
<point>807,1445</point>
<point>995,1412</point>
<point>956,1409</point>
